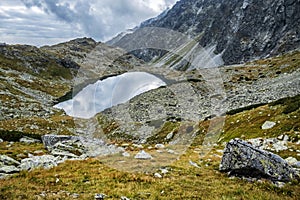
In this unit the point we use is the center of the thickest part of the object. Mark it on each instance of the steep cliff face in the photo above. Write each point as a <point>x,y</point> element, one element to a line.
<point>239,30</point>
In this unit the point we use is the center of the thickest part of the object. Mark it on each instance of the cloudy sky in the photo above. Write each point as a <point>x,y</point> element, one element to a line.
<point>40,22</point>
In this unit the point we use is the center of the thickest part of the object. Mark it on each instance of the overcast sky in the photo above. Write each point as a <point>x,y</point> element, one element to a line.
<point>40,22</point>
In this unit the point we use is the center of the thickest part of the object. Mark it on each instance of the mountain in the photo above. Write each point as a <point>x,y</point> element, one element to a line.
<point>238,31</point>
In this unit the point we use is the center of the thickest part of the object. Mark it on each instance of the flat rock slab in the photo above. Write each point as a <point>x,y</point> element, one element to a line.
<point>242,159</point>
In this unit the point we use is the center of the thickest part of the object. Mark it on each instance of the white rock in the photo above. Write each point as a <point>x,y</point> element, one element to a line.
<point>1,140</point>
<point>124,198</point>
<point>170,136</point>
<point>159,146</point>
<point>280,137</point>
<point>279,184</point>
<point>100,196</point>
<point>286,138</point>
<point>126,154</point>
<point>142,155</point>
<point>194,164</point>
<point>291,160</point>
<point>170,151</point>
<point>157,175</point>
<point>138,146</point>
<point>268,125</point>
<point>164,171</point>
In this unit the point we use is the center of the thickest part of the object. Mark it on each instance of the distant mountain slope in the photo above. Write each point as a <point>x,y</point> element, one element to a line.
<point>240,31</point>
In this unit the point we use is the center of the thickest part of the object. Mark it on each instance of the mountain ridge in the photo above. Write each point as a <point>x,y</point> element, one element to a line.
<point>241,30</point>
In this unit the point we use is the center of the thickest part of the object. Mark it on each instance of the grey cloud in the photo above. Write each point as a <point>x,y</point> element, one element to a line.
<point>62,11</point>
<point>66,19</point>
<point>109,17</point>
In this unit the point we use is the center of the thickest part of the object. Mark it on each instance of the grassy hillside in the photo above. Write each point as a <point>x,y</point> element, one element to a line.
<point>182,181</point>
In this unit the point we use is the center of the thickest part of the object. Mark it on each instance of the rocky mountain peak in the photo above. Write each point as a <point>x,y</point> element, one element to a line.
<point>240,31</point>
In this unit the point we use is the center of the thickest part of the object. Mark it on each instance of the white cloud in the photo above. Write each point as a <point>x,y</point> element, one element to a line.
<point>41,22</point>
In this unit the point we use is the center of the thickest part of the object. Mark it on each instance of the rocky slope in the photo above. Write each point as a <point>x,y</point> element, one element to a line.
<point>239,31</point>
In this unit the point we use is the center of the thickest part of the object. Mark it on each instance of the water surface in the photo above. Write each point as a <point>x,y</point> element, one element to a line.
<point>112,91</point>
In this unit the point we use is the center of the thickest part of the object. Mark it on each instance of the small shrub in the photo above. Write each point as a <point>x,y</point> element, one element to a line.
<point>15,136</point>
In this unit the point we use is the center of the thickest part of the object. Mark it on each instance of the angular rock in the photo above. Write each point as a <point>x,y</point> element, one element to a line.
<point>268,125</point>
<point>28,140</point>
<point>6,160</point>
<point>9,169</point>
<point>45,161</point>
<point>50,140</point>
<point>242,159</point>
<point>142,155</point>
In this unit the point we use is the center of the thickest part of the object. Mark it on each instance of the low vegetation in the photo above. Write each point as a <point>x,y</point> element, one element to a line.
<point>183,181</point>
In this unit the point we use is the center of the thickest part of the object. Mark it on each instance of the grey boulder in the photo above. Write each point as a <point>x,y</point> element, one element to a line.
<point>242,159</point>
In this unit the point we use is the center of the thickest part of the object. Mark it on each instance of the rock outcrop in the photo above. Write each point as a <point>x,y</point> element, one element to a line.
<point>242,159</point>
<point>78,147</point>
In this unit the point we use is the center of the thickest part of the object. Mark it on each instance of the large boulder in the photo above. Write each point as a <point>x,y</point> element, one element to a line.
<point>242,159</point>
